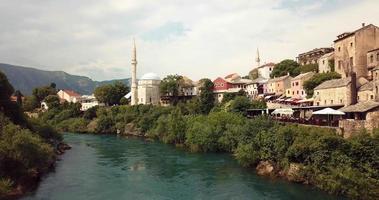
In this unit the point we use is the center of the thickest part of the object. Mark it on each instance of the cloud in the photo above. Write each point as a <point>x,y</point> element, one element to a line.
<point>194,38</point>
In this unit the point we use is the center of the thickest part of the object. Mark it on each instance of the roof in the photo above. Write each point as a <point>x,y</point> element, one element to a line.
<point>259,80</point>
<point>323,49</point>
<point>334,83</point>
<point>376,49</point>
<point>71,93</point>
<point>279,78</point>
<point>267,64</point>
<point>150,76</point>
<point>327,55</point>
<point>347,34</point>
<point>232,76</point>
<point>367,86</point>
<point>305,75</point>
<point>361,107</point>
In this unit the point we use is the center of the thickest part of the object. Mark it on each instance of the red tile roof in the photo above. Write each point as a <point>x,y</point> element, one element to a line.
<point>71,93</point>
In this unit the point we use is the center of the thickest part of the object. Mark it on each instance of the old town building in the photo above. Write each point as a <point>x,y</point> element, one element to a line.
<point>148,89</point>
<point>333,92</point>
<point>351,50</point>
<point>311,57</point>
<point>256,87</point>
<point>297,90</point>
<point>265,70</point>
<point>232,83</point>
<point>69,96</point>
<point>326,63</point>
<point>372,62</point>
<point>279,85</point>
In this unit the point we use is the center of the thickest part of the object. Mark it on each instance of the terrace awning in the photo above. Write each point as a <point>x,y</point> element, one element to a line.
<point>328,111</point>
<point>283,111</point>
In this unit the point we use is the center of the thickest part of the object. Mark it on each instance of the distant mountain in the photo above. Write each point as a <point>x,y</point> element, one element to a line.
<point>26,78</point>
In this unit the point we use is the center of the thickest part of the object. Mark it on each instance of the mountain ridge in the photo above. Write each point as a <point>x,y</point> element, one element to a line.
<point>26,78</point>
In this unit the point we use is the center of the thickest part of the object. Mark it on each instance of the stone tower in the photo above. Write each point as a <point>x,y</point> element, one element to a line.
<point>258,59</point>
<point>134,96</point>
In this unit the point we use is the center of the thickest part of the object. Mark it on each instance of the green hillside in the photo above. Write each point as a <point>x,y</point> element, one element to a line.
<point>26,78</point>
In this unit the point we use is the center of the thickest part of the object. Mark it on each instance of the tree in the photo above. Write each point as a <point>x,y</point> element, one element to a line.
<point>19,96</point>
<point>206,97</point>
<point>285,67</point>
<point>317,79</point>
<point>30,103</point>
<point>42,92</point>
<point>309,68</point>
<point>170,86</point>
<point>240,104</point>
<point>230,96</point>
<point>111,94</point>
<point>52,101</point>
<point>6,91</point>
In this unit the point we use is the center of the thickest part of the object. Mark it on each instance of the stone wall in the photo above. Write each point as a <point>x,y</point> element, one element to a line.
<point>349,127</point>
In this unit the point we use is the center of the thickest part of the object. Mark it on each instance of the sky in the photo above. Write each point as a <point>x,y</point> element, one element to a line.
<point>194,38</point>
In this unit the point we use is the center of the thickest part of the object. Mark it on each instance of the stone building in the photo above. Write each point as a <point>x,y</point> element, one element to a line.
<point>256,87</point>
<point>311,57</point>
<point>366,92</point>
<point>148,89</point>
<point>265,70</point>
<point>232,83</point>
<point>325,63</point>
<point>372,62</point>
<point>297,90</point>
<point>333,92</point>
<point>279,85</point>
<point>351,50</point>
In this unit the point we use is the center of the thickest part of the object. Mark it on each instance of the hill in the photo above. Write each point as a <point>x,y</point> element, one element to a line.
<point>27,78</point>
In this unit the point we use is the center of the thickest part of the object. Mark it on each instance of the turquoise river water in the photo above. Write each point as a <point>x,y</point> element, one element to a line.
<point>111,167</point>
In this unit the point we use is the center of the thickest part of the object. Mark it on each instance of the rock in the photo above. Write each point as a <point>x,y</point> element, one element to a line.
<point>265,168</point>
<point>131,129</point>
<point>295,173</point>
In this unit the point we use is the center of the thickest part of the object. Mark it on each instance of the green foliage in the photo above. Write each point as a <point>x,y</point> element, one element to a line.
<point>6,90</point>
<point>309,68</point>
<point>42,92</point>
<point>111,94</point>
<point>78,125</point>
<point>207,99</point>
<point>317,79</point>
<point>30,103</point>
<point>230,96</point>
<point>52,101</point>
<point>90,113</point>
<point>285,67</point>
<point>5,187</point>
<point>170,85</point>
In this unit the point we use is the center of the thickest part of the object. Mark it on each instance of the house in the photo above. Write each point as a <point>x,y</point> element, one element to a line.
<point>265,70</point>
<point>351,50</point>
<point>279,85</point>
<point>326,63</point>
<point>311,57</point>
<point>373,63</point>
<point>363,115</point>
<point>69,96</point>
<point>187,90</point>
<point>297,90</point>
<point>333,92</point>
<point>232,83</point>
<point>256,87</point>
<point>89,101</point>
<point>366,92</point>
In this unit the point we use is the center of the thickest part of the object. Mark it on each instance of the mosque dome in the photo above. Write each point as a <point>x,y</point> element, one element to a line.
<point>150,76</point>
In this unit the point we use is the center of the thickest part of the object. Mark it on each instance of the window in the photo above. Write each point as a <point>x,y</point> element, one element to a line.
<point>339,64</point>
<point>340,100</point>
<point>150,99</point>
<point>323,62</point>
<point>302,92</point>
<point>371,58</point>
<point>297,83</point>
<point>331,102</point>
<point>351,44</point>
<point>324,102</point>
<point>351,61</point>
<point>297,92</point>
<point>339,48</point>
<point>293,92</point>
<point>372,96</point>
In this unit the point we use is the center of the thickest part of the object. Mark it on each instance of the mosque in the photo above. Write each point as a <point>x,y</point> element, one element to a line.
<point>146,89</point>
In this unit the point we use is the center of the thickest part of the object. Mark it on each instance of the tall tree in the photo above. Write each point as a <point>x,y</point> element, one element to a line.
<point>111,94</point>
<point>285,67</point>
<point>206,98</point>
<point>170,86</point>
<point>6,91</point>
<point>42,92</point>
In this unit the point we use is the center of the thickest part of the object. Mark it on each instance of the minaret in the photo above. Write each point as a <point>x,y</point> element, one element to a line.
<point>134,96</point>
<point>258,59</point>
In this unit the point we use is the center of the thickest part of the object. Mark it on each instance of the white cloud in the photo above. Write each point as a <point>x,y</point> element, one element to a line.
<point>194,38</point>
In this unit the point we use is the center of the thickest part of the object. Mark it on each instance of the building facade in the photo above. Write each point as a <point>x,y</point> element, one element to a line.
<point>69,96</point>
<point>333,92</point>
<point>326,63</point>
<point>351,50</point>
<point>297,90</point>
<point>279,85</point>
<point>311,57</point>
<point>148,89</point>
<point>232,83</point>
<point>265,70</point>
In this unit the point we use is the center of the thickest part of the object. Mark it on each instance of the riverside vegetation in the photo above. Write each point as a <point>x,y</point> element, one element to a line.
<point>309,155</point>
<point>27,146</point>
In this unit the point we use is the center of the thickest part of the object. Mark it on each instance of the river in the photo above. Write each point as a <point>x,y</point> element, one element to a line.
<point>100,167</point>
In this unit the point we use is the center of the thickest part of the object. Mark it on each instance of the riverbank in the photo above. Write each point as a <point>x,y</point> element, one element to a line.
<point>307,155</point>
